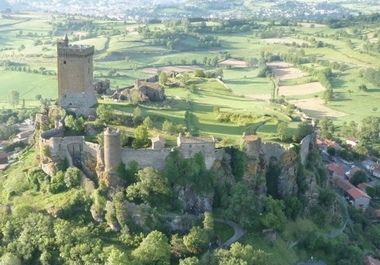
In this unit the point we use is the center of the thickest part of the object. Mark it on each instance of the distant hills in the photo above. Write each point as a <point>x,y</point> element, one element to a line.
<point>177,9</point>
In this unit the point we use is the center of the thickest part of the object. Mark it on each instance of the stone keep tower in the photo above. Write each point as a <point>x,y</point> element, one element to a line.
<point>112,149</point>
<point>75,75</point>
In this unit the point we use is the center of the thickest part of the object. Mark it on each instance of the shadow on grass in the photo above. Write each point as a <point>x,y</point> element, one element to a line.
<point>373,90</point>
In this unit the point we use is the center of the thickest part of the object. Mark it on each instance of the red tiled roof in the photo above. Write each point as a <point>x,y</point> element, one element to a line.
<point>354,170</point>
<point>320,142</point>
<point>336,168</point>
<point>344,184</point>
<point>363,186</point>
<point>370,261</point>
<point>355,193</point>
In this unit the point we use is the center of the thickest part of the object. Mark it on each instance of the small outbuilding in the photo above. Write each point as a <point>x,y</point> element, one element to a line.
<point>158,142</point>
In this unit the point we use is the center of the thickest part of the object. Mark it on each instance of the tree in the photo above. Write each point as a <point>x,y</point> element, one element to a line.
<point>137,115</point>
<point>141,137</point>
<point>151,187</point>
<point>331,151</point>
<point>328,95</point>
<point>75,124</point>
<point>9,259</point>
<point>177,247</point>
<point>370,129</point>
<point>293,207</point>
<point>241,254</point>
<point>281,130</point>
<point>196,241</point>
<point>327,128</point>
<point>46,152</point>
<point>163,78</point>
<point>208,222</point>
<point>290,108</point>
<point>361,150</point>
<point>57,183</point>
<point>304,129</point>
<point>359,177</point>
<point>185,78</point>
<point>14,98</point>
<point>104,113</point>
<point>115,256</point>
<point>148,122</point>
<point>168,127</point>
<point>199,73</point>
<point>273,215</point>
<point>189,261</point>
<point>72,177</point>
<point>242,206</point>
<point>154,249</point>
<point>363,87</point>
<point>326,197</point>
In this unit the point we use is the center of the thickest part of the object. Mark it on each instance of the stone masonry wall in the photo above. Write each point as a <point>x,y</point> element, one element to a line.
<point>145,157</point>
<point>207,149</point>
<point>269,150</point>
<point>305,148</point>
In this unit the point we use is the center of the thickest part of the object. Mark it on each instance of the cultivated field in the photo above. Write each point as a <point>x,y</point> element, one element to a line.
<point>285,71</point>
<point>233,63</point>
<point>174,68</point>
<point>314,107</point>
<point>286,40</point>
<point>302,89</point>
<point>123,54</point>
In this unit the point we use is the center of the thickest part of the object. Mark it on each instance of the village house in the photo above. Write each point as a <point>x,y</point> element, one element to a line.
<point>370,261</point>
<point>368,164</point>
<point>363,186</point>
<point>158,143</point>
<point>23,137</point>
<point>335,170</point>
<point>351,172</point>
<point>375,169</point>
<point>352,141</point>
<point>356,196</point>
<point>333,144</point>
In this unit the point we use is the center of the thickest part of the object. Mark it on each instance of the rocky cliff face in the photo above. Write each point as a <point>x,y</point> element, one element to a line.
<point>260,155</point>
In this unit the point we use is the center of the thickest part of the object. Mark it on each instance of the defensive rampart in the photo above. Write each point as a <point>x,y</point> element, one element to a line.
<point>145,157</point>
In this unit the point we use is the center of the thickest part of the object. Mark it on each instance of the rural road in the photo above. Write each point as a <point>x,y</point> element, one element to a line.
<point>238,232</point>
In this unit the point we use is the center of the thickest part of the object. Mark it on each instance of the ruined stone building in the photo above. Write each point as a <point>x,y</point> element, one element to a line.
<point>75,77</point>
<point>148,91</point>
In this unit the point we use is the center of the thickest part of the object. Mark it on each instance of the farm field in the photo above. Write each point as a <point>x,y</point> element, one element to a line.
<point>123,54</point>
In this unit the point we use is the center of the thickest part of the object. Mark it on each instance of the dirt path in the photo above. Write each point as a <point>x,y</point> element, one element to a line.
<point>238,232</point>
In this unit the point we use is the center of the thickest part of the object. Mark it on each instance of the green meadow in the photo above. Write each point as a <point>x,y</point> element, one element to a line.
<point>122,54</point>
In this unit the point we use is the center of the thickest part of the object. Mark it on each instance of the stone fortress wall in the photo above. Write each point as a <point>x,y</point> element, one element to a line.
<point>145,157</point>
<point>110,156</point>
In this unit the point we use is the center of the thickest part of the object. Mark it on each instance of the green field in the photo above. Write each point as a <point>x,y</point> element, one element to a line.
<point>28,41</point>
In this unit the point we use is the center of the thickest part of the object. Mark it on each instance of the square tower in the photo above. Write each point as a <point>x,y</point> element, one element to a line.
<point>75,75</point>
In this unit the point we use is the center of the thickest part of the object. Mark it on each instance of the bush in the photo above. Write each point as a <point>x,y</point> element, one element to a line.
<point>199,73</point>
